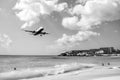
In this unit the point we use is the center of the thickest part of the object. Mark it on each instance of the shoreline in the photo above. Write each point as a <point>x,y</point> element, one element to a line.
<point>45,72</point>
<point>95,73</point>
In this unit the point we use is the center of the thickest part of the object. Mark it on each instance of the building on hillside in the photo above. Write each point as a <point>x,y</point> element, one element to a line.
<point>92,52</point>
<point>108,50</point>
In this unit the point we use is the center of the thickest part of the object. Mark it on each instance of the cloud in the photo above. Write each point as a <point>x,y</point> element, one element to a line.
<point>85,16</point>
<point>5,41</point>
<point>93,13</point>
<point>31,10</point>
<point>82,2</point>
<point>73,40</point>
<point>70,23</point>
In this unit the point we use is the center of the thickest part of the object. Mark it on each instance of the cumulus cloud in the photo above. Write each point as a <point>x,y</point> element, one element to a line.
<point>31,10</point>
<point>93,13</point>
<point>82,2</point>
<point>86,15</point>
<point>5,41</point>
<point>76,39</point>
<point>70,22</point>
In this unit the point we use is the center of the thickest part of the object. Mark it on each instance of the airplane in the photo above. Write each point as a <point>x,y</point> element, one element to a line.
<point>39,31</point>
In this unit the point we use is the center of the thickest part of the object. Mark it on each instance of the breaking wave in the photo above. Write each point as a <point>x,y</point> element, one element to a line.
<point>42,72</point>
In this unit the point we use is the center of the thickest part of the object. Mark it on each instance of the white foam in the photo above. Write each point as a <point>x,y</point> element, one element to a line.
<point>38,72</point>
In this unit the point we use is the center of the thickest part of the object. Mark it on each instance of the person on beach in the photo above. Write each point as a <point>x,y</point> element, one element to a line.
<point>108,63</point>
<point>14,68</point>
<point>102,64</point>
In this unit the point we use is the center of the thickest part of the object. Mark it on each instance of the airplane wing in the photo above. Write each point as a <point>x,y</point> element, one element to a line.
<point>29,31</point>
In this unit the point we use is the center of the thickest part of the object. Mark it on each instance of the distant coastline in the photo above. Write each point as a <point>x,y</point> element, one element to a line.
<point>103,51</point>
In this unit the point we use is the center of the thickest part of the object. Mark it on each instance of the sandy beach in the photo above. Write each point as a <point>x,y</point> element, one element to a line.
<point>91,74</point>
<point>95,73</point>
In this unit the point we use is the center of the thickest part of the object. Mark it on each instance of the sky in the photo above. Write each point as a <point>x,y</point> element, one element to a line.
<point>72,24</point>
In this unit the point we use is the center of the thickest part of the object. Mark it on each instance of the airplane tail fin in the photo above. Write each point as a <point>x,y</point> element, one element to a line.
<point>45,33</point>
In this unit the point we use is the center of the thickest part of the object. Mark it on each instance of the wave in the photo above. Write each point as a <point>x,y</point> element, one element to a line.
<point>42,72</point>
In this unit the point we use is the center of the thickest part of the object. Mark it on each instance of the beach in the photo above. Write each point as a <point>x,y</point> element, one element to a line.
<point>77,69</point>
<point>102,73</point>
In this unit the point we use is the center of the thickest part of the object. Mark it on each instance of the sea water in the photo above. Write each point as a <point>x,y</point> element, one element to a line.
<point>24,67</point>
<point>8,63</point>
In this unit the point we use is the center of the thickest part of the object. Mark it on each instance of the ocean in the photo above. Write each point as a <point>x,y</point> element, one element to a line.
<point>9,62</point>
<point>13,67</point>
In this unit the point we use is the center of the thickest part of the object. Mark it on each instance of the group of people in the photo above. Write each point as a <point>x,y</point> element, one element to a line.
<point>104,64</point>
